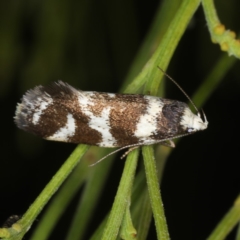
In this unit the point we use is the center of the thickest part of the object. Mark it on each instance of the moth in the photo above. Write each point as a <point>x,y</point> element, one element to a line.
<point>59,112</point>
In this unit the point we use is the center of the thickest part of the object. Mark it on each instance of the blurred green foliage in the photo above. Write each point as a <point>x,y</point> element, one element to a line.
<point>93,45</point>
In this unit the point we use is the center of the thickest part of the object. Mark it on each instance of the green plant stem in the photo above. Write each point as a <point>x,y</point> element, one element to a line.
<point>228,222</point>
<point>225,38</point>
<point>60,201</point>
<point>210,13</point>
<point>28,218</point>
<point>164,15</point>
<point>210,83</point>
<point>154,193</point>
<point>152,75</point>
<point>90,197</point>
<point>121,200</point>
<point>128,231</point>
<point>142,213</point>
<point>165,50</point>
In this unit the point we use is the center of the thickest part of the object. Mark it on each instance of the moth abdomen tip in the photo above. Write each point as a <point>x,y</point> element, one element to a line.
<point>32,105</point>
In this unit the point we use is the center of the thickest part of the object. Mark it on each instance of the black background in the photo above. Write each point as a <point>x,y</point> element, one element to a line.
<point>202,175</point>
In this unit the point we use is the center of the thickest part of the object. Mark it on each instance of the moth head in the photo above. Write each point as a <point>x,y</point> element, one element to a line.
<point>191,122</point>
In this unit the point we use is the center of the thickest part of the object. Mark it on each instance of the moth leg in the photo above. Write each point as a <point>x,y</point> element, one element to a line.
<point>128,151</point>
<point>169,143</point>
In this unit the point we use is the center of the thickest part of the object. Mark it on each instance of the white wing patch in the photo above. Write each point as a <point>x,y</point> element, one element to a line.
<point>43,103</point>
<point>147,124</point>
<point>101,123</point>
<point>65,132</point>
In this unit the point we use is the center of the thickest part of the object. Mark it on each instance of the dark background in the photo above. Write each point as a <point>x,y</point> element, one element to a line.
<point>91,45</point>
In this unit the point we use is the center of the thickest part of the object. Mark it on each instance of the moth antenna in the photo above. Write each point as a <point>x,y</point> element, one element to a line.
<point>190,100</point>
<point>204,116</point>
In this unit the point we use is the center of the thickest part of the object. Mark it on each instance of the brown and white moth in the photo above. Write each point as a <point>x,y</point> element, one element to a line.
<point>60,112</point>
